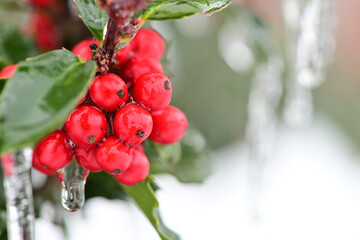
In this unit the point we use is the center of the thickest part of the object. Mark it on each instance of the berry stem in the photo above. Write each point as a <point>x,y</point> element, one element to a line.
<point>119,26</point>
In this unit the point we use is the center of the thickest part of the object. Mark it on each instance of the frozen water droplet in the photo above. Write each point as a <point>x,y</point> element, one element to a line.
<point>73,179</point>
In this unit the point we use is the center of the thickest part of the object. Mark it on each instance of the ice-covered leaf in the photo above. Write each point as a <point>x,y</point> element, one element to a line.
<point>94,18</point>
<point>175,9</point>
<point>40,95</point>
<point>144,196</point>
<point>188,160</point>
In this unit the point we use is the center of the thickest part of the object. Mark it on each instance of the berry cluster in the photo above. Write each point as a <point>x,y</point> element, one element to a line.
<point>107,129</point>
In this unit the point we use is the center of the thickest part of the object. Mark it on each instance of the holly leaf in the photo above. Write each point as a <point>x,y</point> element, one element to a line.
<point>40,95</point>
<point>175,9</point>
<point>94,18</point>
<point>144,196</point>
<point>14,47</point>
<point>187,160</point>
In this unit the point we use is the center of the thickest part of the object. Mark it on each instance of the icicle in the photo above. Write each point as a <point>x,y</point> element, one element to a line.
<point>263,103</point>
<point>310,48</point>
<point>73,179</point>
<point>18,193</point>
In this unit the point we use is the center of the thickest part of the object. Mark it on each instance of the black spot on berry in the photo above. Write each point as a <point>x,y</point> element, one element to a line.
<point>116,171</point>
<point>91,139</point>
<point>140,133</point>
<point>121,93</point>
<point>167,85</point>
<point>93,47</point>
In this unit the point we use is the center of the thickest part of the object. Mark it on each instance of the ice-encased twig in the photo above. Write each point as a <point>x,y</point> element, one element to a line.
<point>18,193</point>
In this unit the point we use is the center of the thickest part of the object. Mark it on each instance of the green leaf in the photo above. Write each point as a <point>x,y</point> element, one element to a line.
<point>187,160</point>
<point>175,9</point>
<point>14,47</point>
<point>144,196</point>
<point>40,95</point>
<point>94,18</point>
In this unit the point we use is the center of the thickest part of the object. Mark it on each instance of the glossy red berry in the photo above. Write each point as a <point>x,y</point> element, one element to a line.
<point>153,91</point>
<point>54,151</point>
<point>122,56</point>
<point>108,92</point>
<point>86,157</point>
<point>133,124</point>
<point>139,65</point>
<point>148,42</point>
<point>113,156</point>
<point>169,125</point>
<point>37,165</point>
<point>137,171</point>
<point>83,50</point>
<point>9,71</point>
<point>86,125</point>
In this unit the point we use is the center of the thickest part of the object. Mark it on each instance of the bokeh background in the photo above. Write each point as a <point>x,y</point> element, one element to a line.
<point>303,182</point>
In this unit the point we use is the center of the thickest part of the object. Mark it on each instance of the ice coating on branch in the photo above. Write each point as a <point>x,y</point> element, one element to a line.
<point>264,98</point>
<point>73,179</point>
<point>18,193</point>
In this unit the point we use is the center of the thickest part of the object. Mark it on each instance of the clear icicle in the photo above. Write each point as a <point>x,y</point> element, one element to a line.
<point>18,193</point>
<point>310,49</point>
<point>263,103</point>
<point>73,179</point>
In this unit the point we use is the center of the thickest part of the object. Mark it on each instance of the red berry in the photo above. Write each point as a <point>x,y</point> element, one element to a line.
<point>123,55</point>
<point>86,125</point>
<point>137,171</point>
<point>113,156</point>
<point>148,42</point>
<point>9,71</point>
<point>82,49</point>
<point>54,151</point>
<point>86,157</point>
<point>46,34</point>
<point>169,125</point>
<point>37,165</point>
<point>109,91</point>
<point>139,65</point>
<point>133,124</point>
<point>153,90</point>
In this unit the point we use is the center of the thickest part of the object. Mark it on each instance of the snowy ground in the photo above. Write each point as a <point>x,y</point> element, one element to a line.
<point>310,190</point>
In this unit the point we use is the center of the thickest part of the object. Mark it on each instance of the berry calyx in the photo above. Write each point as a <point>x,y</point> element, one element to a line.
<point>148,42</point>
<point>37,165</point>
<point>9,71</point>
<point>83,49</point>
<point>113,156</point>
<point>86,126</point>
<point>133,124</point>
<point>137,171</point>
<point>54,151</point>
<point>170,125</point>
<point>86,157</point>
<point>138,65</point>
<point>108,92</point>
<point>153,91</point>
